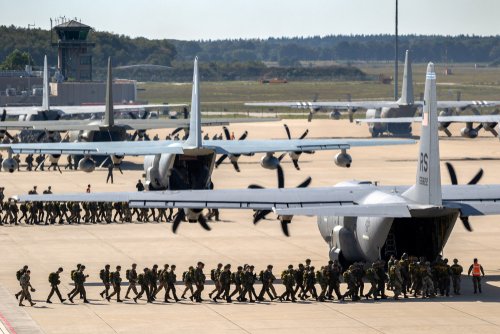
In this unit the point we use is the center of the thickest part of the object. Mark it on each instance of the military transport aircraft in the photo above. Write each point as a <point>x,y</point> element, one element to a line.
<point>378,111</point>
<point>356,219</point>
<point>46,112</point>
<point>179,165</point>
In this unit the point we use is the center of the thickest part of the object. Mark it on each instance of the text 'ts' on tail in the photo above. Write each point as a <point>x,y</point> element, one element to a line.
<point>427,188</point>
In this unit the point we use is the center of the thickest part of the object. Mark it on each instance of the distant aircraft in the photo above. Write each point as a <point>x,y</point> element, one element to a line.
<point>46,112</point>
<point>181,165</point>
<point>405,107</point>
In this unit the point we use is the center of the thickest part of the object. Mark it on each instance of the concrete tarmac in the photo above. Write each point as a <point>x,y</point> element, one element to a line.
<point>237,241</point>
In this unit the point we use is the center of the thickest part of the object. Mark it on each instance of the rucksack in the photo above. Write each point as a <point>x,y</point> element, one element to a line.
<point>140,279</point>
<point>73,275</point>
<point>261,276</point>
<point>212,275</point>
<point>19,273</point>
<point>283,274</point>
<point>127,274</point>
<point>52,278</point>
<point>184,275</point>
<point>102,275</point>
<point>111,276</point>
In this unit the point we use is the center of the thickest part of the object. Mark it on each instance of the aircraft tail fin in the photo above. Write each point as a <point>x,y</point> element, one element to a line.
<point>109,119</point>
<point>194,139</point>
<point>407,86</point>
<point>427,189</point>
<point>45,97</point>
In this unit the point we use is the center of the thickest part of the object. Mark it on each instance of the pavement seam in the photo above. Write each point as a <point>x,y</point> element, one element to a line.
<point>221,315</point>
<point>352,318</point>
<point>469,314</point>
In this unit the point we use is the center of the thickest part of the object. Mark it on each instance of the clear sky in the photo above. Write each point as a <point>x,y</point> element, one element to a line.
<point>220,19</point>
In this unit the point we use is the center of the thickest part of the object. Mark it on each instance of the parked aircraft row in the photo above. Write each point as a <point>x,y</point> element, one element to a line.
<point>396,117</point>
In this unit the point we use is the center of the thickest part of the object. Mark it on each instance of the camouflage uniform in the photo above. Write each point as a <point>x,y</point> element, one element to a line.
<point>456,272</point>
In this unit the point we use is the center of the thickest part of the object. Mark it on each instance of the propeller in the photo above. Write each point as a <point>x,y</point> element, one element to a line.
<point>139,132</point>
<point>234,157</point>
<point>454,181</point>
<point>261,214</point>
<point>5,132</point>
<point>294,155</point>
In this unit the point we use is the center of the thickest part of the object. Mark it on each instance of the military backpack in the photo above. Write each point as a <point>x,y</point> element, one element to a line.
<point>140,279</point>
<point>19,273</point>
<point>53,278</point>
<point>73,275</point>
<point>127,274</point>
<point>102,275</point>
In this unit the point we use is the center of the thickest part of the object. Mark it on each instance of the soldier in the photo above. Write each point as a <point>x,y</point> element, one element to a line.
<point>299,281</point>
<point>288,278</point>
<point>199,280</point>
<point>153,281</point>
<point>40,162</point>
<point>405,274</point>
<point>80,278</point>
<point>29,162</point>
<point>267,279</point>
<point>382,277</point>
<point>33,191</point>
<point>111,166</point>
<point>20,274</point>
<point>350,280</point>
<point>105,275</point>
<point>456,273</point>
<point>26,288</point>
<point>395,279</point>
<point>310,281</point>
<point>236,278</point>
<point>73,277</point>
<point>321,278</point>
<point>171,280</point>
<point>88,189</point>
<point>163,277</point>
<point>139,186</point>
<point>445,278</point>
<point>371,275</point>
<point>131,276</point>
<point>143,280</point>
<point>477,271</point>
<point>249,281</point>
<point>116,281</point>
<point>334,271</point>
<point>390,263</point>
<point>224,284</point>
<point>69,160</point>
<point>187,278</point>
<point>214,276</point>
<point>428,290</point>
<point>54,282</point>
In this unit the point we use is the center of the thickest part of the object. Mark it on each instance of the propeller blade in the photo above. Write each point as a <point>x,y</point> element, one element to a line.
<point>243,136</point>
<point>282,156</point>
<point>146,136</point>
<point>203,222</point>
<point>287,131</point>
<point>296,164</point>
<point>255,186</point>
<point>220,160</point>
<point>134,136</point>
<point>175,131</point>
<point>305,183</point>
<point>494,132</point>
<point>235,165</point>
<point>304,134</point>
<point>284,227</point>
<point>479,127</point>
<point>451,172</point>
<point>226,133</point>
<point>466,223</point>
<point>145,114</point>
<point>477,177</point>
<point>177,220</point>
<point>9,135</point>
<point>45,116</point>
<point>448,133</point>
<point>132,115</point>
<point>281,177</point>
<point>4,116</point>
<point>259,215</point>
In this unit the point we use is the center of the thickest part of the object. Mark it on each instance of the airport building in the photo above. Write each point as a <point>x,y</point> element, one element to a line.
<point>71,82</point>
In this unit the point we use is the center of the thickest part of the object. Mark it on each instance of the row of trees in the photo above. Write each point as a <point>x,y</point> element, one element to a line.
<point>347,48</point>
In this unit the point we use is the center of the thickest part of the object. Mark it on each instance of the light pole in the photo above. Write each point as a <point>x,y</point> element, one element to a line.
<point>29,58</point>
<point>396,56</point>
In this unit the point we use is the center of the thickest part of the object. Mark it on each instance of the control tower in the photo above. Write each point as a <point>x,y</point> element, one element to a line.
<point>74,59</point>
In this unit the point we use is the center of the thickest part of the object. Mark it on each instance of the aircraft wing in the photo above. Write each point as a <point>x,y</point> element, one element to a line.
<point>295,145</point>
<point>442,119</point>
<point>98,148</point>
<point>472,200</point>
<point>330,104</point>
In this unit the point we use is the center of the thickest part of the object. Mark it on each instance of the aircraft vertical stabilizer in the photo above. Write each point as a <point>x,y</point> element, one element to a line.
<point>427,189</point>
<point>109,119</point>
<point>407,86</point>
<point>194,139</point>
<point>45,97</point>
